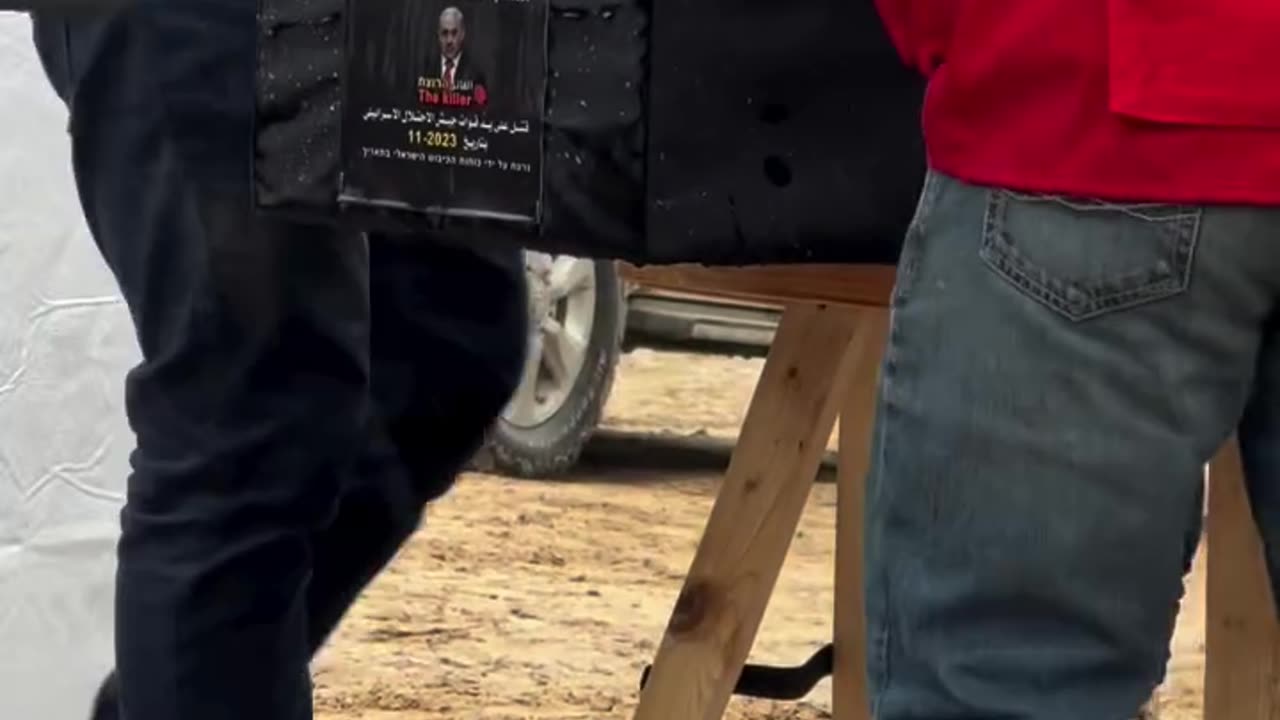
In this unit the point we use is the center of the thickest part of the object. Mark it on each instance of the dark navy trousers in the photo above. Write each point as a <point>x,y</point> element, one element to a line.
<point>303,392</point>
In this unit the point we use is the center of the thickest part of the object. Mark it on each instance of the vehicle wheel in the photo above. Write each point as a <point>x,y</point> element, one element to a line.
<point>576,318</point>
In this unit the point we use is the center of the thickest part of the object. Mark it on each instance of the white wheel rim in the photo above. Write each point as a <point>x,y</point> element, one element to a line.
<point>562,308</point>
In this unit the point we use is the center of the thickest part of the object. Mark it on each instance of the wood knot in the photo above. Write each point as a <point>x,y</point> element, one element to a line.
<point>692,607</point>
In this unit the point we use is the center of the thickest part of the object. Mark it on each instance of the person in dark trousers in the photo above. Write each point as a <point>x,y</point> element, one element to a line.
<point>303,392</point>
<point>1087,306</point>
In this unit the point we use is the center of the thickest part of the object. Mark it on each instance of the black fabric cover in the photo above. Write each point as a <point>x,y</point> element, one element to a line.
<point>728,132</point>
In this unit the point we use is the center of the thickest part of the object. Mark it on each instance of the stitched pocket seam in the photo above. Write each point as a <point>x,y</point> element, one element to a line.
<point>1082,301</point>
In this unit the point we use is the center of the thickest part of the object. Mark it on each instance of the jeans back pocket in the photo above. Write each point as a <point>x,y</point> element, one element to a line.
<point>1086,258</point>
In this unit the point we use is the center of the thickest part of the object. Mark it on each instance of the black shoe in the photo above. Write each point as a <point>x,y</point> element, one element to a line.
<point>106,706</point>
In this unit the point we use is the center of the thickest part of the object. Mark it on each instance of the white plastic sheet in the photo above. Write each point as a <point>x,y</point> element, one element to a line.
<point>65,344</point>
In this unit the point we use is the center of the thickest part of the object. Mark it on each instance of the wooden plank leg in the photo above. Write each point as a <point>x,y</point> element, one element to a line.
<point>734,571</point>
<point>1242,644</point>
<point>850,699</point>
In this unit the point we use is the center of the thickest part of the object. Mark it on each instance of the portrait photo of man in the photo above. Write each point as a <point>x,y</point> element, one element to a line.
<point>453,65</point>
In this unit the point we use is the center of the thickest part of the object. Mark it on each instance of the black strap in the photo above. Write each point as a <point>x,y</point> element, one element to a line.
<point>778,683</point>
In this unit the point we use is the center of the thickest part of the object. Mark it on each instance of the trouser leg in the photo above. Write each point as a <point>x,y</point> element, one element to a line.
<point>251,403</point>
<point>1260,450</point>
<point>1057,374</point>
<point>448,342</point>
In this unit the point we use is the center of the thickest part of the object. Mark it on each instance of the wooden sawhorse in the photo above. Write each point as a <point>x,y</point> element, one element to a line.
<point>823,364</point>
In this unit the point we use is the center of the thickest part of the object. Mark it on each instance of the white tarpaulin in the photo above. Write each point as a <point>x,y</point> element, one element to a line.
<point>65,344</point>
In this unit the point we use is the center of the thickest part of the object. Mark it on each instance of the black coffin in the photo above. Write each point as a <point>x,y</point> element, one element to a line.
<point>723,132</point>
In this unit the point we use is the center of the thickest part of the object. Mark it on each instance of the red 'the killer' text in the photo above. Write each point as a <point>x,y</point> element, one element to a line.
<point>444,97</point>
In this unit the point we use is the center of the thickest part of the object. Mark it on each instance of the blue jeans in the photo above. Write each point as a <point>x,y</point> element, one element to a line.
<point>1058,373</point>
<point>302,392</point>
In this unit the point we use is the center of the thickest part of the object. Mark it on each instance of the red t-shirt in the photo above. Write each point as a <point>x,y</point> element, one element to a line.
<point>1144,100</point>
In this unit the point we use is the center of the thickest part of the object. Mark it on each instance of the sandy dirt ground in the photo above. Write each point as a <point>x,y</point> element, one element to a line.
<point>528,600</point>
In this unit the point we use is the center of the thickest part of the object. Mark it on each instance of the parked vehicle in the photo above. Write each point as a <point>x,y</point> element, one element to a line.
<point>583,317</point>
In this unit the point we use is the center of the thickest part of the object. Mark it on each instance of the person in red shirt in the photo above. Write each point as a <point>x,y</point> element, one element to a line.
<point>1086,308</point>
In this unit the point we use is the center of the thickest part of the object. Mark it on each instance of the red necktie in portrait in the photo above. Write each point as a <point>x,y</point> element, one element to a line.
<point>448,73</point>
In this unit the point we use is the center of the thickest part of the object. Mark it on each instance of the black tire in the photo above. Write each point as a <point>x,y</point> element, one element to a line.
<point>552,447</point>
